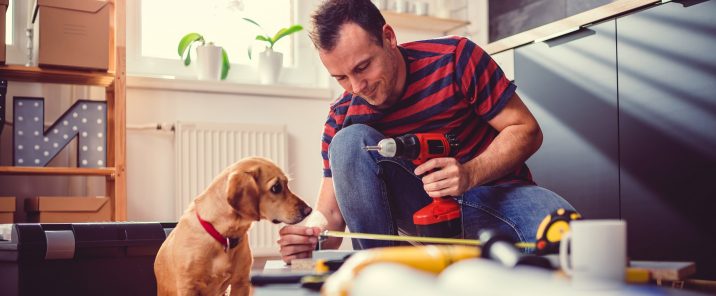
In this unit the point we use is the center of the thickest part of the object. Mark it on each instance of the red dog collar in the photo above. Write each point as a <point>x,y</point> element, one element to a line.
<point>227,242</point>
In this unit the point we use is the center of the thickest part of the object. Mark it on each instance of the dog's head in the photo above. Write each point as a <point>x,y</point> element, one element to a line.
<point>258,189</point>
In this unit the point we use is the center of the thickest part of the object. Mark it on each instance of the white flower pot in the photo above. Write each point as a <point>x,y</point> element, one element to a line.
<point>270,63</point>
<point>209,62</point>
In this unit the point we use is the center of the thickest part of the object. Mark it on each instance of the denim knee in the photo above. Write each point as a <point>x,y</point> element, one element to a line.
<point>347,145</point>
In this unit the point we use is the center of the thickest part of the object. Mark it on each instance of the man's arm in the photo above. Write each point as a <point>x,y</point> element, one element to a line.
<point>298,242</point>
<point>328,206</point>
<point>519,137</point>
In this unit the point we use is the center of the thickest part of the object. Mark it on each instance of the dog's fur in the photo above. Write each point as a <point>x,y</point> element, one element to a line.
<point>192,262</point>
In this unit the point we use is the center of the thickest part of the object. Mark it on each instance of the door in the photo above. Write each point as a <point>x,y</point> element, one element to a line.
<point>570,85</point>
<point>667,132</point>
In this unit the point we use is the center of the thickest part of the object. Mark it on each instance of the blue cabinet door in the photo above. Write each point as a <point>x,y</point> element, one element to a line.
<point>667,132</point>
<point>570,86</point>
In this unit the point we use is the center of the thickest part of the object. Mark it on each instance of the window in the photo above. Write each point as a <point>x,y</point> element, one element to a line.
<point>154,28</point>
<point>164,22</point>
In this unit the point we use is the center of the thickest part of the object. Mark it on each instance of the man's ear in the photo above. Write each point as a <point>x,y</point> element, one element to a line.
<point>389,36</point>
<point>242,193</point>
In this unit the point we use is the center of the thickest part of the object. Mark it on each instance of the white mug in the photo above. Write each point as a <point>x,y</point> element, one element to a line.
<point>380,4</point>
<point>402,6</point>
<point>421,8</point>
<point>598,253</point>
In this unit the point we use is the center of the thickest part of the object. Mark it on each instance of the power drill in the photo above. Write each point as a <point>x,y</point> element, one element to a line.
<point>441,218</point>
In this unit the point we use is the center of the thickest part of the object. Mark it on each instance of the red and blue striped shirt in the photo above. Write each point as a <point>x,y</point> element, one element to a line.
<point>452,86</point>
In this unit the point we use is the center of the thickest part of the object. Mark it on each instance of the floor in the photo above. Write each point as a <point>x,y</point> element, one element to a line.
<point>260,261</point>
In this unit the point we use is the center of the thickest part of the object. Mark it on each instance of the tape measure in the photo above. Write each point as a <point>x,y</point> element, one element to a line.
<point>420,239</point>
<point>551,230</point>
<point>549,234</point>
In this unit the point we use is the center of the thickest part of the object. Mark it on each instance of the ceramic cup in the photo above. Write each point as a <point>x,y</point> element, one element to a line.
<point>593,254</point>
<point>421,8</point>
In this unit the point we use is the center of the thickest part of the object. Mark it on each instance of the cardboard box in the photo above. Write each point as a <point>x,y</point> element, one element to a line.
<point>3,9</point>
<point>74,33</point>
<point>7,209</point>
<point>59,209</point>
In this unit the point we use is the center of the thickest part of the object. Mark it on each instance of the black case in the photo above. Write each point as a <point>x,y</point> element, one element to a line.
<point>114,258</point>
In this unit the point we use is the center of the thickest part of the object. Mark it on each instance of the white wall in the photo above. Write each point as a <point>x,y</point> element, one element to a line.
<point>150,154</point>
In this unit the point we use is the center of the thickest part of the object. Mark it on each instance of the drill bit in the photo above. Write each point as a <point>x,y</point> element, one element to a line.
<point>371,148</point>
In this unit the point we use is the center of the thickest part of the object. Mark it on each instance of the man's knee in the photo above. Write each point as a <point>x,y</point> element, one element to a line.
<point>353,134</point>
<point>348,143</point>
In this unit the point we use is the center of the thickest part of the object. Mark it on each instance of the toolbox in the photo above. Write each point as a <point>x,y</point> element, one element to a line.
<point>114,258</point>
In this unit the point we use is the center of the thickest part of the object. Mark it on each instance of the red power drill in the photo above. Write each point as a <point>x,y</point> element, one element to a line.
<point>441,218</point>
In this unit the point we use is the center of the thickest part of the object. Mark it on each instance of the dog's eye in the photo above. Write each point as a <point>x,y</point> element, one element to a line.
<point>276,188</point>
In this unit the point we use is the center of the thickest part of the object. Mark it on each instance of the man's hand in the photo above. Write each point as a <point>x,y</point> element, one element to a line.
<point>450,178</point>
<point>297,242</point>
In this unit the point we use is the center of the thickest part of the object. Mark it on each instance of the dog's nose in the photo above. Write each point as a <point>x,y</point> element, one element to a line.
<point>305,211</point>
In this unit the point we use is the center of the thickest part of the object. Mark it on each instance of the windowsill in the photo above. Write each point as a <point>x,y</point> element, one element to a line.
<point>227,87</point>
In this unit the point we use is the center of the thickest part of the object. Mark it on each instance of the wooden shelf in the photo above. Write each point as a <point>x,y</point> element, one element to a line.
<point>50,75</point>
<point>113,81</point>
<point>424,23</point>
<point>14,170</point>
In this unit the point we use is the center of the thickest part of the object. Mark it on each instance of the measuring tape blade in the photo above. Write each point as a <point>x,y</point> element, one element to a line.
<point>421,239</point>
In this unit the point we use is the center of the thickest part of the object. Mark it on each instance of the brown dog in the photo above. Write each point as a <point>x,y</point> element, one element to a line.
<point>193,261</point>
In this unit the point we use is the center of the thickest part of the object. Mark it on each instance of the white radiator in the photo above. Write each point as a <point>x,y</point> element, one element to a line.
<point>203,150</point>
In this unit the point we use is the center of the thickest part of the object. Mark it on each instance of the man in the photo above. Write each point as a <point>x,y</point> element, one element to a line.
<point>446,85</point>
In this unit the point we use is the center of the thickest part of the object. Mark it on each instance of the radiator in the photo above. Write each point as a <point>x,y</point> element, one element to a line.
<point>203,150</point>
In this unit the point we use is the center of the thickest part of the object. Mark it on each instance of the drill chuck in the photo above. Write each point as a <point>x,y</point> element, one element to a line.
<point>416,147</point>
<point>386,148</point>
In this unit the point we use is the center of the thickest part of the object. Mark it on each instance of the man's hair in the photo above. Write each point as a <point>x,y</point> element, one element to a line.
<point>332,14</point>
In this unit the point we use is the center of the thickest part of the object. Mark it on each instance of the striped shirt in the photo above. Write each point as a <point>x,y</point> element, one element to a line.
<point>452,86</point>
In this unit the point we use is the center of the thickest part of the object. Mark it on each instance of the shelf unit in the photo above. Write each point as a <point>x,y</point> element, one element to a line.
<point>424,23</point>
<point>114,82</point>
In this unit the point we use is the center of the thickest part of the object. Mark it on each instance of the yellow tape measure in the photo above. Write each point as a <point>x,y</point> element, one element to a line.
<point>437,240</point>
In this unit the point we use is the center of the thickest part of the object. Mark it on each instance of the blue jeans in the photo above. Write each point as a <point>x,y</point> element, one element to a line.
<point>379,195</point>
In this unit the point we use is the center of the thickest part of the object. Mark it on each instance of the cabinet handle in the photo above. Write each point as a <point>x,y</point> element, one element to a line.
<point>687,3</point>
<point>566,37</point>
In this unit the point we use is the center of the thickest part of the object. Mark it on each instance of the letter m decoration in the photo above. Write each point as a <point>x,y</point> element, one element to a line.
<point>33,146</point>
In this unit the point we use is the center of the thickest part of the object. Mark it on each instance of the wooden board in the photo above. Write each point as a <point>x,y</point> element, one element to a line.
<point>670,271</point>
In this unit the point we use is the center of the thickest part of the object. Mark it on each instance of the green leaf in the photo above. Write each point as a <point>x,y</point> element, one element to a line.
<point>253,22</point>
<point>266,39</point>
<point>263,38</point>
<point>186,41</point>
<point>285,32</point>
<point>187,60</point>
<point>225,64</point>
<point>249,50</point>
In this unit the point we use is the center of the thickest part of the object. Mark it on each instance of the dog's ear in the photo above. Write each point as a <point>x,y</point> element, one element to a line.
<point>243,193</point>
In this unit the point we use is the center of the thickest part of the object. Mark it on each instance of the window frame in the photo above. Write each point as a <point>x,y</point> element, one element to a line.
<point>306,70</point>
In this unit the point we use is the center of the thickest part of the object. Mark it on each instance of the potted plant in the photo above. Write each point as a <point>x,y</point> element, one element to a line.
<point>270,61</point>
<point>213,60</point>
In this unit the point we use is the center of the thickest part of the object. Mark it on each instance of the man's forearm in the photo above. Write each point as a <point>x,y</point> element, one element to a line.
<point>336,223</point>
<point>328,206</point>
<point>512,147</point>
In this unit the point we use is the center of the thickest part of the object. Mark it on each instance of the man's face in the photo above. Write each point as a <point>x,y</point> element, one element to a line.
<point>365,68</point>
